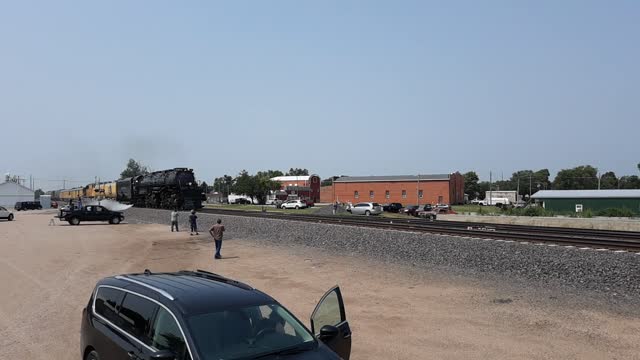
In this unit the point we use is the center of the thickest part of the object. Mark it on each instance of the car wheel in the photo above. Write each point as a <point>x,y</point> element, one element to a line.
<point>297,207</point>
<point>74,221</point>
<point>93,355</point>
<point>115,220</point>
<point>367,212</point>
<point>10,218</point>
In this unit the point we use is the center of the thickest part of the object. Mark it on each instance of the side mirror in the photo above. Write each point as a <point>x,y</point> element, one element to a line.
<point>162,355</point>
<point>328,332</point>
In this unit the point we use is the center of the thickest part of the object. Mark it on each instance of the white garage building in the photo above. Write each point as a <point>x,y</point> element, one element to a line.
<point>11,192</point>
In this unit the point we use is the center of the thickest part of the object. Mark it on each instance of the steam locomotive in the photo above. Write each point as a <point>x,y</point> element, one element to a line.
<point>166,189</point>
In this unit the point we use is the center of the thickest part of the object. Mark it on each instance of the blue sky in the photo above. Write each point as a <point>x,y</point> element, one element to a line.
<point>339,87</point>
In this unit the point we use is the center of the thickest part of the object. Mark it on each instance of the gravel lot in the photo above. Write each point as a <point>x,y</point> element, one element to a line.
<point>612,277</point>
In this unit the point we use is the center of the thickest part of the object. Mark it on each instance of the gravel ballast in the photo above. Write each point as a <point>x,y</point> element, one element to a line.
<point>613,275</point>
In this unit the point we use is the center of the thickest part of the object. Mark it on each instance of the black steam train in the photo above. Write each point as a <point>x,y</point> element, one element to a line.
<point>167,189</point>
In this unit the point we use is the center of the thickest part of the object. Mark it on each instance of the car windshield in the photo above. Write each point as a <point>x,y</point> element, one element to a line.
<point>245,333</point>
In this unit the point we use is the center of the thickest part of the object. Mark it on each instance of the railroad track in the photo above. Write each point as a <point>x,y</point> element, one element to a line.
<point>606,239</point>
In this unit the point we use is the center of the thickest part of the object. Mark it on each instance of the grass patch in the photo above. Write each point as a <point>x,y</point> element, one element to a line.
<point>268,208</point>
<point>480,210</point>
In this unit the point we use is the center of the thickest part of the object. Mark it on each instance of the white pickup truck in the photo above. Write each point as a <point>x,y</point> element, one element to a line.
<point>494,201</point>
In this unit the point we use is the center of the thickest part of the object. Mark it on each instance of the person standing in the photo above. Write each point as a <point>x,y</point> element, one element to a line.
<point>174,220</point>
<point>335,207</point>
<point>216,232</point>
<point>193,218</point>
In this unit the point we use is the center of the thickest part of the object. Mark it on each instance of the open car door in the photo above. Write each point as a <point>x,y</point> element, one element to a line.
<point>329,323</point>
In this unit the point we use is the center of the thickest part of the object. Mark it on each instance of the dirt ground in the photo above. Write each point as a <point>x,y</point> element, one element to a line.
<point>48,272</point>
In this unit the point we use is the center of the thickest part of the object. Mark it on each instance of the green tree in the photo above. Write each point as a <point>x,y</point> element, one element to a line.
<point>483,187</point>
<point>263,185</point>
<point>609,180</point>
<point>223,184</point>
<point>579,178</point>
<point>471,187</point>
<point>37,193</point>
<point>329,181</point>
<point>245,185</point>
<point>133,168</point>
<point>528,180</point>
<point>629,182</point>
<point>297,172</point>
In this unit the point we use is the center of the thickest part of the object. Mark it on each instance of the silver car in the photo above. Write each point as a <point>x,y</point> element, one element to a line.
<point>366,209</point>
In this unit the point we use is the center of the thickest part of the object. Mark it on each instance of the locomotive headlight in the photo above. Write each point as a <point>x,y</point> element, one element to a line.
<point>189,184</point>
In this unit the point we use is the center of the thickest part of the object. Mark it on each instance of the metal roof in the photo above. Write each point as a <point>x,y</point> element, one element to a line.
<point>292,178</point>
<point>432,177</point>
<point>586,194</point>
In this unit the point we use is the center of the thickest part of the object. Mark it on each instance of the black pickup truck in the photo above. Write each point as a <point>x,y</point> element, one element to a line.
<point>91,213</point>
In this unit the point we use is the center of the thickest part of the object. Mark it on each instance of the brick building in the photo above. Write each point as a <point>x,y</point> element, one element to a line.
<point>405,189</point>
<point>305,187</point>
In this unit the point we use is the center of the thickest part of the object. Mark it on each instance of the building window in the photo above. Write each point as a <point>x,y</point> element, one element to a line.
<point>404,194</point>
<point>386,194</point>
<point>355,194</point>
<point>370,194</point>
<point>420,194</point>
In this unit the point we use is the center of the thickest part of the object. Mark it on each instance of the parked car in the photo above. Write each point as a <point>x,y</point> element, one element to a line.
<point>409,210</point>
<point>5,213</point>
<point>443,206</point>
<point>28,205</point>
<point>428,214</point>
<point>294,204</point>
<point>393,207</point>
<point>476,202</point>
<point>91,213</point>
<point>242,201</point>
<point>309,203</point>
<point>199,315</point>
<point>367,208</point>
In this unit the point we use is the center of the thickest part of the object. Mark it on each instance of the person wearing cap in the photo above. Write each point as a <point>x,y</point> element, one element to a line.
<point>193,221</point>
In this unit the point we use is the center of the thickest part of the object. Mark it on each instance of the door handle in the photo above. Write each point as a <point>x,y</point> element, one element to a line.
<point>133,355</point>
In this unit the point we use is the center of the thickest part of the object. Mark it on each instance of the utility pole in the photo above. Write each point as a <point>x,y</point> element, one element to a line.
<point>518,191</point>
<point>530,185</point>
<point>490,187</point>
<point>599,177</point>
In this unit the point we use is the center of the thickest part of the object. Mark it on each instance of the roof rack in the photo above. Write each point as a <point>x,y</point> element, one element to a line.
<point>216,277</point>
<point>159,291</point>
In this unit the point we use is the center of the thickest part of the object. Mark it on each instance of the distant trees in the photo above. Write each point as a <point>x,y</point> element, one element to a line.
<point>609,180</point>
<point>471,186</point>
<point>37,193</point>
<point>223,184</point>
<point>629,182</point>
<point>578,178</point>
<point>297,172</point>
<point>134,168</point>
<point>257,187</point>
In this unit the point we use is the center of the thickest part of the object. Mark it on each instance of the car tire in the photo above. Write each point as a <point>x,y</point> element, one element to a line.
<point>10,218</point>
<point>93,355</point>
<point>297,207</point>
<point>114,220</point>
<point>74,221</point>
<point>367,213</point>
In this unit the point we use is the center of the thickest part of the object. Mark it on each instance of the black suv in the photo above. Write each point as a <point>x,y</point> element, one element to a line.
<point>198,315</point>
<point>393,207</point>
<point>28,205</point>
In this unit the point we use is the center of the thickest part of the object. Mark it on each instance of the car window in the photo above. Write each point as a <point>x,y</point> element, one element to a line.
<point>99,208</point>
<point>226,334</point>
<point>136,315</point>
<point>107,303</point>
<point>2,209</point>
<point>328,312</point>
<point>376,204</point>
<point>166,335</point>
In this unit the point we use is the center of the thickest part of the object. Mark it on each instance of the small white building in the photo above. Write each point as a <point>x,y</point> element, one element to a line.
<point>11,193</point>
